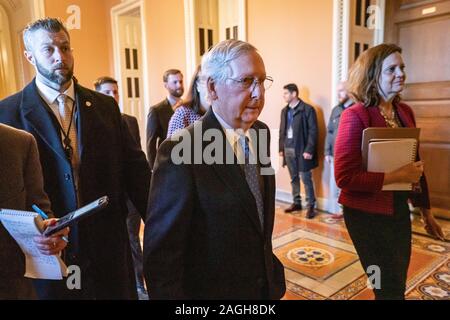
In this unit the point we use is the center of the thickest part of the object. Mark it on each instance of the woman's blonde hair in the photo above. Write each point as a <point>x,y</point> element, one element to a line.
<point>365,73</point>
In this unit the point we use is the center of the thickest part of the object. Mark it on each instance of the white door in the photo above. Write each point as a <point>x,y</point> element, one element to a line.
<point>207,27</point>
<point>132,96</point>
<point>229,19</point>
<point>362,37</point>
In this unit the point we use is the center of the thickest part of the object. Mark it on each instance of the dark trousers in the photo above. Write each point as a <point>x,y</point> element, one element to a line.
<point>134,224</point>
<point>296,175</point>
<point>16,289</point>
<point>385,242</point>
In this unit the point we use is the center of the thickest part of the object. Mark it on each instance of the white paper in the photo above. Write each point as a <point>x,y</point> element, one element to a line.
<point>290,133</point>
<point>22,227</point>
<point>387,155</point>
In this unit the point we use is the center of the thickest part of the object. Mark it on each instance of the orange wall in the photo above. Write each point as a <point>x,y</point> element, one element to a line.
<point>166,43</point>
<point>90,44</point>
<point>295,39</point>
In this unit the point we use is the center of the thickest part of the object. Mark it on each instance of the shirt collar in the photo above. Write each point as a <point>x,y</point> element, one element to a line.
<point>50,95</point>
<point>293,107</point>
<point>347,103</point>
<point>234,135</point>
<point>172,100</point>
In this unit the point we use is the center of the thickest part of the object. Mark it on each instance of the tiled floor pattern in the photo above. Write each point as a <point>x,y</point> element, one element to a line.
<point>321,263</point>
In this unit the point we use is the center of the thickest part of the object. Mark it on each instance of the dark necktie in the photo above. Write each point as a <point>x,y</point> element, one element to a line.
<point>252,177</point>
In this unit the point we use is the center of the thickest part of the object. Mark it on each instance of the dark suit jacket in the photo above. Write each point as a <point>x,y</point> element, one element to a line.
<point>21,186</point>
<point>157,123</point>
<point>133,126</point>
<point>332,128</point>
<point>110,165</point>
<point>203,238</point>
<point>361,190</point>
<point>305,135</point>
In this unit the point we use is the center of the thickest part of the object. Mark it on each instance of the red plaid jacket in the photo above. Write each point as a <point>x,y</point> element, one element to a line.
<point>361,190</point>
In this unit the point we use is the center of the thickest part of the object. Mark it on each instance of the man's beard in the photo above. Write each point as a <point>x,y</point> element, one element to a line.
<point>178,93</point>
<point>54,77</point>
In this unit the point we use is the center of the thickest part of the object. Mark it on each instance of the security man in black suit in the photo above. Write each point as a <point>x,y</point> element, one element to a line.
<point>86,152</point>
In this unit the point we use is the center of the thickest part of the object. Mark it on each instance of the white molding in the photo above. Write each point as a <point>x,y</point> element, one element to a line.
<point>322,204</point>
<point>189,29</point>
<point>242,20</point>
<point>38,11</point>
<point>341,44</point>
<point>189,23</point>
<point>378,37</point>
<point>117,11</point>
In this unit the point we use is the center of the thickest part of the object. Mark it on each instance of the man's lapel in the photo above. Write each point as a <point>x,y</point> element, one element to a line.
<point>38,118</point>
<point>232,174</point>
<point>86,118</point>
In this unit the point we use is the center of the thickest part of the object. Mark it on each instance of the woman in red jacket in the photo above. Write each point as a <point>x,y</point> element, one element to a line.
<point>379,221</point>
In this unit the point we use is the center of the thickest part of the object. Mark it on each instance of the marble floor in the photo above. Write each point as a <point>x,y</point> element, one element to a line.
<point>321,263</point>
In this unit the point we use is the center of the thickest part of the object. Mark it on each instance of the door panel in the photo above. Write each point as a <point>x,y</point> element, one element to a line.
<point>421,28</point>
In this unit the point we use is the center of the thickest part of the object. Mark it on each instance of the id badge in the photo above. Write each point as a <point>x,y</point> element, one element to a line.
<point>290,133</point>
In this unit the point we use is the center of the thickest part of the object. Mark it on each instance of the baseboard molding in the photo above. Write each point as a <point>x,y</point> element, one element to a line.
<point>322,204</point>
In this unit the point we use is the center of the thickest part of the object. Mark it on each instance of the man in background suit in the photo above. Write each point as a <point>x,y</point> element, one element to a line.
<point>298,147</point>
<point>21,186</point>
<point>109,86</point>
<point>159,115</point>
<point>210,237</point>
<point>86,152</point>
<point>330,140</point>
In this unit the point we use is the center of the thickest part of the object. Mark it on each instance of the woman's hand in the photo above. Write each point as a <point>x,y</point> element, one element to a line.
<point>410,173</point>
<point>54,244</point>
<point>432,227</point>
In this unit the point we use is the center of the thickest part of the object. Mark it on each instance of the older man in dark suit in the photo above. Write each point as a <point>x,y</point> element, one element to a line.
<point>21,186</point>
<point>86,152</point>
<point>159,115</point>
<point>211,207</point>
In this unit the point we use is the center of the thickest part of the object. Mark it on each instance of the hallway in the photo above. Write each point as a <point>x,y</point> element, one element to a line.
<point>332,269</point>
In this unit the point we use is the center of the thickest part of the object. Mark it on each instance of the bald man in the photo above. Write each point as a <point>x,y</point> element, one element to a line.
<point>332,129</point>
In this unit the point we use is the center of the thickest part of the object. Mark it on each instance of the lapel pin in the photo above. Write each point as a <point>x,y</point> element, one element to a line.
<point>88,104</point>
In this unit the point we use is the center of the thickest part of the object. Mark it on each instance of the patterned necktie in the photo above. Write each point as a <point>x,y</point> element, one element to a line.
<point>252,177</point>
<point>70,136</point>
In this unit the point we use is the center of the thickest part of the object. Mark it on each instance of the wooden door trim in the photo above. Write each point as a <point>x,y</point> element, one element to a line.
<point>415,13</point>
<point>433,91</point>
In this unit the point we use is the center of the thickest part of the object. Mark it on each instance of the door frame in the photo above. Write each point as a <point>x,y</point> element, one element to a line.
<point>190,31</point>
<point>11,85</point>
<point>341,40</point>
<point>38,9</point>
<point>116,12</point>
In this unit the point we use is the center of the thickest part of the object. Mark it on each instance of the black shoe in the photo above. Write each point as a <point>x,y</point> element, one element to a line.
<point>293,207</point>
<point>311,213</point>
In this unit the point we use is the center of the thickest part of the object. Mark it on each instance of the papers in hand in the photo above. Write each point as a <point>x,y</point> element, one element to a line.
<point>23,226</point>
<point>387,155</point>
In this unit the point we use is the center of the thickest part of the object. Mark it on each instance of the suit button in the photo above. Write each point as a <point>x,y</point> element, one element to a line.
<point>67,177</point>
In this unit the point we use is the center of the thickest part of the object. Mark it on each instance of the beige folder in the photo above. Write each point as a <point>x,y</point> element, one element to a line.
<point>385,133</point>
<point>388,155</point>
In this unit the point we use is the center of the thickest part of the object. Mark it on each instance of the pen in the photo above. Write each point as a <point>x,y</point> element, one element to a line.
<point>41,213</point>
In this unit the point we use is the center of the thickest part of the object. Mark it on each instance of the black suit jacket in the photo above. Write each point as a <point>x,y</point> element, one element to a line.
<point>306,134</point>
<point>110,165</point>
<point>133,126</point>
<point>203,238</point>
<point>157,123</point>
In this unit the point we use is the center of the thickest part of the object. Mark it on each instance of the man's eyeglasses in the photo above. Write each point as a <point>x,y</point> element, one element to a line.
<point>250,82</point>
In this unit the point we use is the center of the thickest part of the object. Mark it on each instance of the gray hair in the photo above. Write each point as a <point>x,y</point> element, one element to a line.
<point>52,25</point>
<point>215,63</point>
